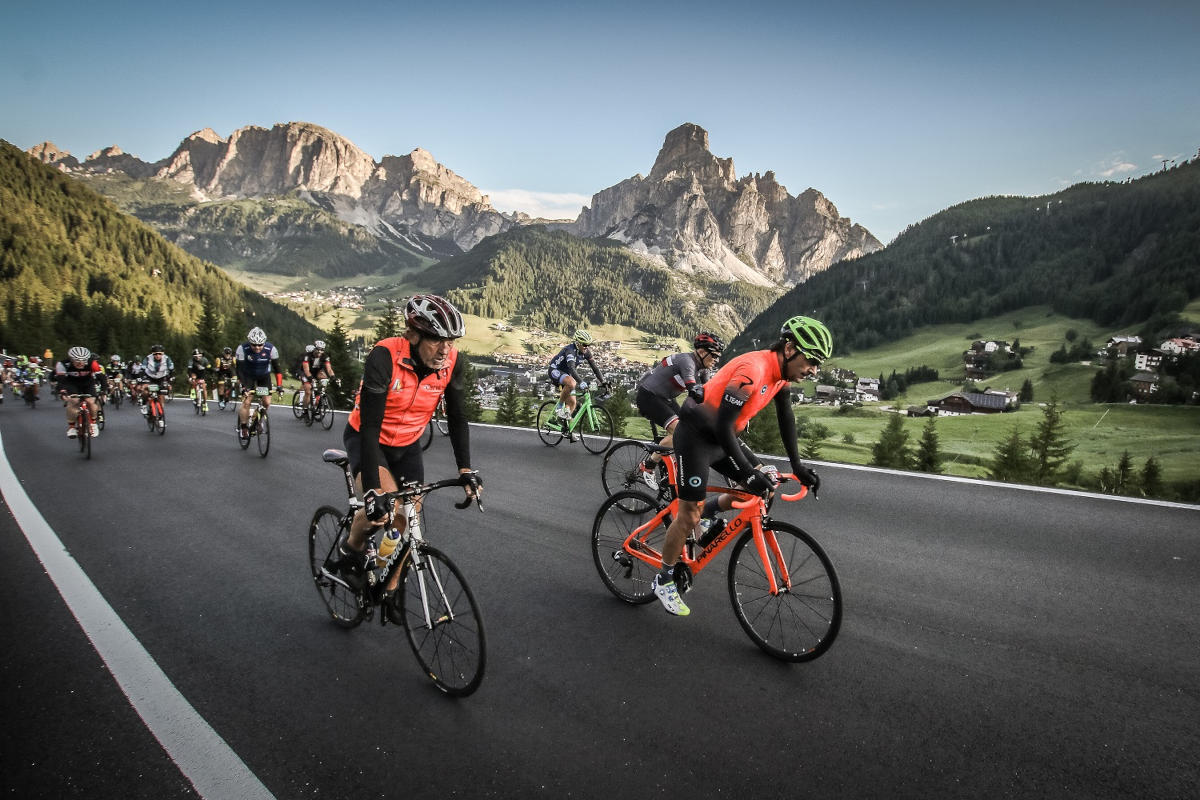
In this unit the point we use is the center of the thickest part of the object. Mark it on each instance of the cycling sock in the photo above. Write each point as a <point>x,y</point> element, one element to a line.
<point>711,507</point>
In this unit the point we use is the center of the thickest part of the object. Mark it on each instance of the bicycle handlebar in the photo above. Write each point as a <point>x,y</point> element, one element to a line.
<point>412,491</point>
<point>784,477</point>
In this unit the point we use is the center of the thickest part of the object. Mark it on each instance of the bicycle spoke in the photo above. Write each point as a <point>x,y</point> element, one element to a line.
<point>442,622</point>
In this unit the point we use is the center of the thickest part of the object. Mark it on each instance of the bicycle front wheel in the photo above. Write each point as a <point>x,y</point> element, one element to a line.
<point>326,529</point>
<point>443,622</point>
<point>427,436</point>
<point>801,621</point>
<point>439,419</point>
<point>597,429</point>
<point>160,420</point>
<point>264,433</point>
<point>549,426</point>
<point>325,413</point>
<point>627,577</point>
<point>298,404</point>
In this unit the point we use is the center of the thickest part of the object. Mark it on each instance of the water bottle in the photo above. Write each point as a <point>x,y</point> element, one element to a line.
<point>387,546</point>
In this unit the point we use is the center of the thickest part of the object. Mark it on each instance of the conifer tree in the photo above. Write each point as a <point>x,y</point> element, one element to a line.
<point>1010,460</point>
<point>619,409</point>
<point>1151,478</point>
<point>208,328</point>
<point>472,406</point>
<point>1125,478</point>
<point>528,415</point>
<point>1049,445</point>
<point>1026,394</point>
<point>391,321</point>
<point>929,457</point>
<point>508,409</point>
<point>345,368</point>
<point>892,448</point>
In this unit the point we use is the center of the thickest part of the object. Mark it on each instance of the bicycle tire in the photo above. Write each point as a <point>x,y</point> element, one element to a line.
<point>298,404</point>
<point>443,425</point>
<point>264,434</point>
<point>325,412</point>
<point>345,607</point>
<point>548,427</point>
<point>596,428</point>
<point>627,577</point>
<point>800,623</point>
<point>118,398</point>
<point>427,436</point>
<point>100,418</point>
<point>83,432</point>
<point>453,648</point>
<point>160,420</point>
<point>621,471</point>
<point>243,441</point>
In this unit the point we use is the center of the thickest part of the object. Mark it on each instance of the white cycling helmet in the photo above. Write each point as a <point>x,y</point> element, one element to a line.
<point>256,336</point>
<point>79,354</point>
<point>319,344</point>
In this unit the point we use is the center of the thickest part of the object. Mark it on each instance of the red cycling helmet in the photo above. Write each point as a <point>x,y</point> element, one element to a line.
<point>433,315</point>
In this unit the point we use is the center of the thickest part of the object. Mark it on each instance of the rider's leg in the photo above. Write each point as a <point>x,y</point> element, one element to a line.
<point>565,395</point>
<point>307,386</point>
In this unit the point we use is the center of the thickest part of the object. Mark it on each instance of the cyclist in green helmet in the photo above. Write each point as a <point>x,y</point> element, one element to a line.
<point>563,373</point>
<point>707,435</point>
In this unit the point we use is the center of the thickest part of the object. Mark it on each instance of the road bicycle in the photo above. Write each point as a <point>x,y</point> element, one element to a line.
<point>437,421</point>
<point>156,418</point>
<point>320,409</point>
<point>227,389</point>
<point>116,391</point>
<point>258,425</point>
<point>592,421</point>
<point>783,588</point>
<point>432,600</point>
<point>200,397</point>
<point>83,426</point>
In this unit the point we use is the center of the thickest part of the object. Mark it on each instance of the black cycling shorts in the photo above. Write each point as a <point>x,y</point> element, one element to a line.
<point>695,453</point>
<point>405,463</point>
<point>656,408</point>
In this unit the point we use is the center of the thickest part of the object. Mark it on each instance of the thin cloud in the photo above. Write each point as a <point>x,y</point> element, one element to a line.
<point>1115,166</point>
<point>548,205</point>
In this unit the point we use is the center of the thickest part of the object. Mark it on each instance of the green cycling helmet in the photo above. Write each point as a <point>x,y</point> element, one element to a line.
<point>583,338</point>
<point>811,338</point>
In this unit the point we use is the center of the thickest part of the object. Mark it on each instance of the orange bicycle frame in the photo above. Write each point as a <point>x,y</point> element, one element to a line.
<point>753,511</point>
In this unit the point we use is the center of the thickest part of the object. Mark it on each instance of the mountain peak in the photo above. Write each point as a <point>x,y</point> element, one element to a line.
<point>684,146</point>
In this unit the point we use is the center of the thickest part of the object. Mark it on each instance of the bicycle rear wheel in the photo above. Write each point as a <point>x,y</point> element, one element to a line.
<point>443,622</point>
<point>427,436</point>
<point>802,620</point>
<point>627,577</point>
<point>326,529</point>
<point>549,427</point>
<point>597,429</point>
<point>325,412</point>
<point>264,433</point>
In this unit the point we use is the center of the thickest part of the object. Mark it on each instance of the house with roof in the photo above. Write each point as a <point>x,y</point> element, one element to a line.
<point>1180,346</point>
<point>1144,385</point>
<point>1148,360</point>
<point>1122,346</point>
<point>974,403</point>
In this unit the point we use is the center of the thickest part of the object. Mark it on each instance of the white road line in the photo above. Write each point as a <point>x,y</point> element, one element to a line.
<point>205,759</point>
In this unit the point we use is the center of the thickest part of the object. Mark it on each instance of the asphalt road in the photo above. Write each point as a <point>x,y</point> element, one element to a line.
<point>997,642</point>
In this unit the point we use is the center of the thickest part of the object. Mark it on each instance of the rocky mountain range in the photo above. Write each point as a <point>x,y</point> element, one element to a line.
<point>690,213</point>
<point>694,214</point>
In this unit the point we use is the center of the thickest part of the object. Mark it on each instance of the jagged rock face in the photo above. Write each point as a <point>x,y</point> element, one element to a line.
<point>411,198</point>
<point>692,213</point>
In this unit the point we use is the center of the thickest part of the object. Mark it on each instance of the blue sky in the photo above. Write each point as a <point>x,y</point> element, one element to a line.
<point>893,110</point>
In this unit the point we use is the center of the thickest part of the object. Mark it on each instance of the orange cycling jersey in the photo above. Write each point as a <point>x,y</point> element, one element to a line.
<point>410,401</point>
<point>754,376</point>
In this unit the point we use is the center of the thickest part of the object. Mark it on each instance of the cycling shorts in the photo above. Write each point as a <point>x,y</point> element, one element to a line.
<point>656,408</point>
<point>405,463</point>
<point>557,376</point>
<point>257,381</point>
<point>695,453</point>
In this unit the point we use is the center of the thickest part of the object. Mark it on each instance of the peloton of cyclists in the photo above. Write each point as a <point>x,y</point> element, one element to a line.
<point>257,360</point>
<point>563,372</point>
<point>707,434</point>
<point>658,389</point>
<point>76,378</point>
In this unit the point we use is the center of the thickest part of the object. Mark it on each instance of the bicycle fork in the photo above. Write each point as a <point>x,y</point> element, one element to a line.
<point>767,547</point>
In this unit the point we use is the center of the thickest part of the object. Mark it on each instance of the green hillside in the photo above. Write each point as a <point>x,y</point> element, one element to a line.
<point>1119,254</point>
<point>280,235</point>
<point>556,281</point>
<point>74,269</point>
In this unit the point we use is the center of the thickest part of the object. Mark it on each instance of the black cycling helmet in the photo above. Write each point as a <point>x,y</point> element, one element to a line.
<point>157,348</point>
<point>710,342</point>
<point>228,351</point>
<point>434,315</point>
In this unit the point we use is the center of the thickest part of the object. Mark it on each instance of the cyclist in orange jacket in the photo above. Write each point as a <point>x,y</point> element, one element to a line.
<point>707,434</point>
<point>403,379</point>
